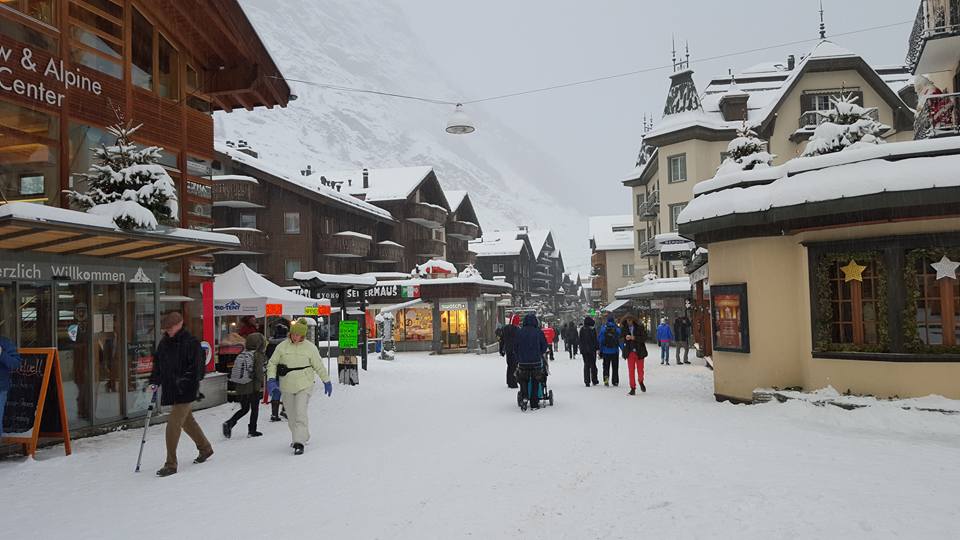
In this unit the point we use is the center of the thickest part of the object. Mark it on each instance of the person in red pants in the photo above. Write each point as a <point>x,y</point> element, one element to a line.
<point>635,351</point>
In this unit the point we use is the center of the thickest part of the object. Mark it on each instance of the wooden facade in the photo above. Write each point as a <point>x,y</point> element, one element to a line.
<point>71,68</point>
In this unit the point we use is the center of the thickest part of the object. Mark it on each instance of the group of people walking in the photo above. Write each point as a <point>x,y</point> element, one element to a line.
<point>289,372</point>
<point>607,343</point>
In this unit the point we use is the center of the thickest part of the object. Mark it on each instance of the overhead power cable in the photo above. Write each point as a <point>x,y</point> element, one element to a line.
<point>582,82</point>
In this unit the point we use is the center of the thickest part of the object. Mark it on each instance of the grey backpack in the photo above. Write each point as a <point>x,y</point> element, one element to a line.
<point>242,371</point>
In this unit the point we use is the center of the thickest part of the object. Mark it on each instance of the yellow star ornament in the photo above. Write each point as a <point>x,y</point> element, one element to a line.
<point>853,272</point>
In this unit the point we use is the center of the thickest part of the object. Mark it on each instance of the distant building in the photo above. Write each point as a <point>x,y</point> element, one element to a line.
<point>614,265</point>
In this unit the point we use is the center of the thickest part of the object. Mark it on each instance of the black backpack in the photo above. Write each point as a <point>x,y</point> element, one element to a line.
<point>201,362</point>
<point>610,340</point>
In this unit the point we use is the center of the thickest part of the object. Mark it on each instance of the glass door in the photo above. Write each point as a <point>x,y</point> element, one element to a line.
<point>106,326</point>
<point>453,329</point>
<point>73,342</point>
<point>141,339</point>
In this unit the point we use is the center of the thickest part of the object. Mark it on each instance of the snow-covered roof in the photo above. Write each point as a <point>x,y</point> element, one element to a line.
<point>354,235</point>
<point>309,182</point>
<point>902,166</point>
<point>538,238</point>
<point>339,279</point>
<point>391,184</point>
<point>497,244</point>
<point>234,177</point>
<point>612,232</point>
<point>455,198</point>
<point>476,280</point>
<point>652,287</point>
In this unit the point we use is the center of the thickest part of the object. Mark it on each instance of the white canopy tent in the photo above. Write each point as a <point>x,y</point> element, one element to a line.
<point>241,291</point>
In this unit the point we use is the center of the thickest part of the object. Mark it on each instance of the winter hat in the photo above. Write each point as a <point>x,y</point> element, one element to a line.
<point>515,320</point>
<point>299,328</point>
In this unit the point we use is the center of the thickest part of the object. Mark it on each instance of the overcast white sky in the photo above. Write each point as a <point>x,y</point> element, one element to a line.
<point>498,46</point>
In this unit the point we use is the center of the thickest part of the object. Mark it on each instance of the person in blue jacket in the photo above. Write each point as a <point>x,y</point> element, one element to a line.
<point>9,361</point>
<point>664,337</point>
<point>609,338</point>
<point>529,348</point>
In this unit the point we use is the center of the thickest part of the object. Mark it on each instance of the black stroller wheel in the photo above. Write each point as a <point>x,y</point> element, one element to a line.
<point>519,400</point>
<point>550,397</point>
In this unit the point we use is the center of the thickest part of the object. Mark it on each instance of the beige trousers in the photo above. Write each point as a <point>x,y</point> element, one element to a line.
<point>181,419</point>
<point>296,405</point>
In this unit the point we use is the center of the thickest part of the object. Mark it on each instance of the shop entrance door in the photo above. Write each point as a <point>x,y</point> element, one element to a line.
<point>453,329</point>
<point>72,302</point>
<point>106,330</point>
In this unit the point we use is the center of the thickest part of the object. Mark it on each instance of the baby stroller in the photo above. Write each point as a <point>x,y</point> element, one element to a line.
<point>533,379</point>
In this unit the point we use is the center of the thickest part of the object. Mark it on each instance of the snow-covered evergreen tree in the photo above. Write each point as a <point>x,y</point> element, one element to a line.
<point>846,125</point>
<point>128,184</point>
<point>746,152</point>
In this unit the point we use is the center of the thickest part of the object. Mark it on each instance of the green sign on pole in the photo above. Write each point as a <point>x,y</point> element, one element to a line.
<point>593,312</point>
<point>349,332</point>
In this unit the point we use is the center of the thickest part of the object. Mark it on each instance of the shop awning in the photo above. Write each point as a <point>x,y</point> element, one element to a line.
<point>615,305</point>
<point>58,231</point>
<point>402,305</point>
<point>241,291</point>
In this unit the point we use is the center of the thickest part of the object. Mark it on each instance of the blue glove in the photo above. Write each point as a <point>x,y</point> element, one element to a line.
<point>328,388</point>
<point>273,388</point>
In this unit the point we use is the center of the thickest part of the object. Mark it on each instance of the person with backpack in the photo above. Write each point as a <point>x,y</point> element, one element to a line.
<point>178,366</point>
<point>664,337</point>
<point>588,350</point>
<point>9,361</point>
<point>530,348</point>
<point>293,369</point>
<point>635,351</point>
<point>247,374</point>
<point>681,334</point>
<point>609,339</point>
<point>508,341</point>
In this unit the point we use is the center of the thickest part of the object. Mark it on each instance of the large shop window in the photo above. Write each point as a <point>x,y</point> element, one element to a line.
<point>414,325</point>
<point>897,295</point>
<point>97,30</point>
<point>29,151</point>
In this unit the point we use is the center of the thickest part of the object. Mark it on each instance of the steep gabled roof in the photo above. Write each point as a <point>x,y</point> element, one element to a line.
<point>501,244</point>
<point>611,233</point>
<point>388,184</point>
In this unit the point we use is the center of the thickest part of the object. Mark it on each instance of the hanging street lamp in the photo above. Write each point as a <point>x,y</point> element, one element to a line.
<point>460,123</point>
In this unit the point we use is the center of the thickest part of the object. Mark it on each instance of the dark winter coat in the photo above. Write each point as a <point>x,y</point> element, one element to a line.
<point>508,341</point>
<point>572,337</point>
<point>258,344</point>
<point>588,338</point>
<point>175,368</point>
<point>638,343</point>
<point>531,344</point>
<point>603,329</point>
<point>9,361</point>
<point>681,329</point>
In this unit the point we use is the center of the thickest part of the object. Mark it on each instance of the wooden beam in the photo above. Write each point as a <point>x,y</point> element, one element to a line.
<point>186,253</point>
<point>17,234</point>
<point>222,104</point>
<point>227,81</point>
<point>73,238</point>
<point>242,98</point>
<point>93,248</point>
<point>191,18</point>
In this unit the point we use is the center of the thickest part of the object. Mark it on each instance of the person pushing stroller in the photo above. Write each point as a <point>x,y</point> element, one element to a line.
<point>529,349</point>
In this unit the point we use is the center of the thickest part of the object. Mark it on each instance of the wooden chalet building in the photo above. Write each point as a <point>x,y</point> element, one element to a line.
<point>507,256</point>
<point>462,227</point>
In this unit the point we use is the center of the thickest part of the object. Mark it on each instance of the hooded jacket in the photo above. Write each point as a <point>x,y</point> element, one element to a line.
<point>297,355</point>
<point>664,333</point>
<point>588,337</point>
<point>603,329</point>
<point>508,338</point>
<point>258,344</point>
<point>175,365</point>
<point>530,345</point>
<point>9,361</point>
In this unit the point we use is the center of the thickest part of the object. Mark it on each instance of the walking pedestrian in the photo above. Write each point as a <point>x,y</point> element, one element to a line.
<point>681,334</point>
<point>609,340</point>
<point>294,365</point>
<point>588,350</point>
<point>280,333</point>
<point>178,365</point>
<point>551,336</point>
<point>664,337</point>
<point>508,341</point>
<point>530,348</point>
<point>635,351</point>
<point>247,376</point>
<point>574,338</point>
<point>9,361</point>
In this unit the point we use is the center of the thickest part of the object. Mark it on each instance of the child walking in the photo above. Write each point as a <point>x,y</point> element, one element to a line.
<point>248,374</point>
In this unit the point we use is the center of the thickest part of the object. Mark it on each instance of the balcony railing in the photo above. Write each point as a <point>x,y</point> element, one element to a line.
<point>428,247</point>
<point>938,116</point>
<point>252,241</point>
<point>648,248</point>
<point>385,253</point>
<point>812,119</point>
<point>935,18</point>
<point>427,215</point>
<point>463,230</point>
<point>462,258</point>
<point>650,207</point>
<point>239,194</point>
<point>345,247</point>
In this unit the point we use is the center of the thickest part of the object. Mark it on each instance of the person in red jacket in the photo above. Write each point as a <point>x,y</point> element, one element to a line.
<point>551,336</point>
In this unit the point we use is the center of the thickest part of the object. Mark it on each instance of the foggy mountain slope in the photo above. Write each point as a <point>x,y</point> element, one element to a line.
<point>368,44</point>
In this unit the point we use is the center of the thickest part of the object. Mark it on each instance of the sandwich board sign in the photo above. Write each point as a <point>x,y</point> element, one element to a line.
<point>35,406</point>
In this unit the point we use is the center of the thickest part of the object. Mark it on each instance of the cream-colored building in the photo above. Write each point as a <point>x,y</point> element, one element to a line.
<point>613,261</point>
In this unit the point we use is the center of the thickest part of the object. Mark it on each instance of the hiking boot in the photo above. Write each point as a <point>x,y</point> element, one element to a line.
<point>274,418</point>
<point>254,433</point>
<point>227,429</point>
<point>632,392</point>
<point>643,388</point>
<point>204,456</point>
<point>166,471</point>
<point>283,413</point>
<point>297,449</point>
<point>606,382</point>
<point>686,362</point>
<point>587,385</point>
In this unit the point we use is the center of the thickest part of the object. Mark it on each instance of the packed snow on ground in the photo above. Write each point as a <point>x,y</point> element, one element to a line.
<point>435,447</point>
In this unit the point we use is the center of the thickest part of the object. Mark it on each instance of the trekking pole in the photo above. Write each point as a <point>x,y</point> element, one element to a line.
<point>146,426</point>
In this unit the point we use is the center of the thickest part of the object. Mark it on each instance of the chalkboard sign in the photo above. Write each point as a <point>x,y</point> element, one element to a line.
<point>35,407</point>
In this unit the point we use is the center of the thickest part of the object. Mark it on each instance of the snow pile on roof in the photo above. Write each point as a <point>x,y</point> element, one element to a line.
<point>612,232</point>
<point>470,272</point>
<point>426,282</point>
<point>309,182</point>
<point>497,244</point>
<point>652,286</point>
<point>234,177</point>
<point>746,152</point>
<point>796,183</point>
<point>434,267</point>
<point>538,240</point>
<point>390,184</point>
<point>354,235</point>
<point>338,279</point>
<point>454,198</point>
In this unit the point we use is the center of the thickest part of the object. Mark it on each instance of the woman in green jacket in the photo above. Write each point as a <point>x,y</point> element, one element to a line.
<point>294,365</point>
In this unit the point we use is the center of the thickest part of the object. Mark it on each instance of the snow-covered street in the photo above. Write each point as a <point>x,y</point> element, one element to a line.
<point>435,447</point>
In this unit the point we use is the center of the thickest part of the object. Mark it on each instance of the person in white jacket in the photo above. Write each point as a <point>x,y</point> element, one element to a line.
<point>294,365</point>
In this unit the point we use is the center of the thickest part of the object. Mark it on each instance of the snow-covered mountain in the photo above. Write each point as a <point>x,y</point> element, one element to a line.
<point>368,44</point>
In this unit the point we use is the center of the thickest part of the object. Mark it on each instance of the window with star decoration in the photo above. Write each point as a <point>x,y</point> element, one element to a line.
<point>932,310</point>
<point>851,302</point>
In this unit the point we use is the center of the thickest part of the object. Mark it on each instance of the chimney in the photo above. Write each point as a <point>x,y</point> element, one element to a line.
<point>791,62</point>
<point>244,147</point>
<point>308,171</point>
<point>350,182</point>
<point>366,178</point>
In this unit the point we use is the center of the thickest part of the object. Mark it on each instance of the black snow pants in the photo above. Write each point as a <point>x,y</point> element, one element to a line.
<point>611,362</point>
<point>530,379</point>
<point>511,370</point>
<point>590,368</point>
<point>248,403</point>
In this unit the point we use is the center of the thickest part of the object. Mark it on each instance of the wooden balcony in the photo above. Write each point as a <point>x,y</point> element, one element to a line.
<point>238,192</point>
<point>427,247</point>
<point>385,253</point>
<point>463,230</point>
<point>345,247</point>
<point>252,241</point>
<point>427,215</point>
<point>462,258</point>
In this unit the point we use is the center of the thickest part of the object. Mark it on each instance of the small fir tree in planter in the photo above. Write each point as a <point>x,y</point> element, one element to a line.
<point>847,125</point>
<point>745,153</point>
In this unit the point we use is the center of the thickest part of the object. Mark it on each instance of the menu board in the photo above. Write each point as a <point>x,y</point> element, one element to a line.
<point>731,329</point>
<point>35,406</point>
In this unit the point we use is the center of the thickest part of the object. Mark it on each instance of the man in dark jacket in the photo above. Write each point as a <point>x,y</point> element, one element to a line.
<point>681,333</point>
<point>588,350</point>
<point>508,341</point>
<point>530,347</point>
<point>176,369</point>
<point>609,339</point>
